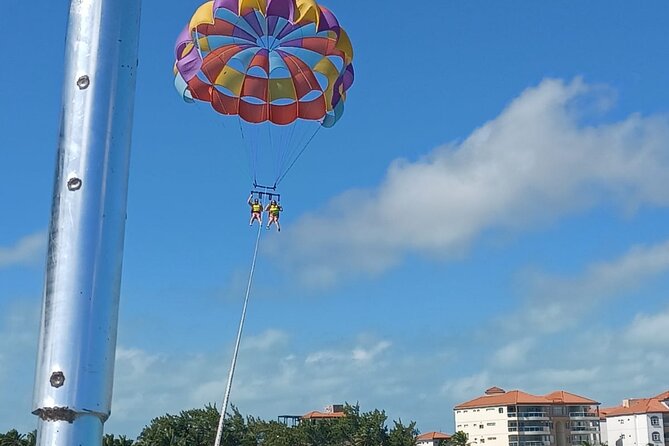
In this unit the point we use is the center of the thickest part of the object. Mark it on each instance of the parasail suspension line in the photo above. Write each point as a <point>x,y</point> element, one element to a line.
<point>226,397</point>
<point>298,156</point>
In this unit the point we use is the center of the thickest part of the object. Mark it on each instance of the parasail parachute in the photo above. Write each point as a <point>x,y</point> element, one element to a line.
<point>280,68</point>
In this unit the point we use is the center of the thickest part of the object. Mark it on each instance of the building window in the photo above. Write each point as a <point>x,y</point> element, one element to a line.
<point>655,421</point>
<point>490,424</point>
<point>656,436</point>
<point>501,410</point>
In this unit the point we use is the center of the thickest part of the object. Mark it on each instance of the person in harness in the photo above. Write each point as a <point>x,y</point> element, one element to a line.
<point>256,210</point>
<point>274,209</point>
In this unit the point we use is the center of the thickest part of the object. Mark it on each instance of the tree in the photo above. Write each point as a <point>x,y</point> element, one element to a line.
<point>110,440</point>
<point>13,438</point>
<point>273,433</point>
<point>354,429</point>
<point>371,430</point>
<point>31,438</point>
<point>401,435</point>
<point>459,438</point>
<point>197,427</point>
<point>190,428</point>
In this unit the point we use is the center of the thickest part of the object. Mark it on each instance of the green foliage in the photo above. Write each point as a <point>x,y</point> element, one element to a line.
<point>190,428</point>
<point>459,438</point>
<point>273,433</point>
<point>111,440</point>
<point>197,427</point>
<point>401,435</point>
<point>14,438</point>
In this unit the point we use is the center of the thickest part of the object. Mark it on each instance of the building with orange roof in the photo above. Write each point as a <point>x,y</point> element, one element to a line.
<point>432,439</point>
<point>637,422</point>
<point>330,412</point>
<point>517,418</point>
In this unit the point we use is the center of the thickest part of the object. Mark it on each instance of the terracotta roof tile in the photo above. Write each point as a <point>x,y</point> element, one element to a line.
<point>316,415</point>
<point>637,406</point>
<point>563,397</point>
<point>514,397</point>
<point>501,399</point>
<point>604,411</point>
<point>662,396</point>
<point>433,436</point>
<point>494,390</point>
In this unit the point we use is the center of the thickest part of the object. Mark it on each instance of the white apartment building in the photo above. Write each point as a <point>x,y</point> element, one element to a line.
<point>637,422</point>
<point>516,418</point>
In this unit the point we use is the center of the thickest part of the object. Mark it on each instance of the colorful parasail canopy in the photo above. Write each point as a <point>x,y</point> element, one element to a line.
<point>274,61</point>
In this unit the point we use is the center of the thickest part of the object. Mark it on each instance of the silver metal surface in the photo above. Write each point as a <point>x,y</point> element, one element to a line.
<point>75,362</point>
<point>84,431</point>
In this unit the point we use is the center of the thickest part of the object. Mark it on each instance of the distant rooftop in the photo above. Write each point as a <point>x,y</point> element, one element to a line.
<point>433,436</point>
<point>496,396</point>
<point>639,406</point>
<point>332,411</point>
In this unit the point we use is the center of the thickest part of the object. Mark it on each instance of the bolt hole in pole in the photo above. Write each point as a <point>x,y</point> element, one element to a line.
<point>57,379</point>
<point>74,184</point>
<point>83,82</point>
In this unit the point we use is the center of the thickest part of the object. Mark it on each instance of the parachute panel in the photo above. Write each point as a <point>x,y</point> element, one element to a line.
<point>281,66</point>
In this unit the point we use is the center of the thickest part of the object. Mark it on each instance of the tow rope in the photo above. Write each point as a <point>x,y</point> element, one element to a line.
<point>226,398</point>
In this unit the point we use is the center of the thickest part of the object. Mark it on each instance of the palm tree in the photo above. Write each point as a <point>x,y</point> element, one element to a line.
<point>31,438</point>
<point>110,440</point>
<point>459,438</point>
<point>12,438</point>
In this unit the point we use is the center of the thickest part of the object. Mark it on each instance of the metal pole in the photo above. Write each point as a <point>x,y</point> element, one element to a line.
<point>75,359</point>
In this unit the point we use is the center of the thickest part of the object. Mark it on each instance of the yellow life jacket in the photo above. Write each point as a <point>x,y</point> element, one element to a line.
<point>256,207</point>
<point>274,209</point>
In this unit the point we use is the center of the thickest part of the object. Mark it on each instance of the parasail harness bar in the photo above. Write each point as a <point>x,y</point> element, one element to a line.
<point>262,191</point>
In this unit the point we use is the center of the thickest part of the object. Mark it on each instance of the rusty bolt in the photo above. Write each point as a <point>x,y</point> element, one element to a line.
<point>57,379</point>
<point>83,82</point>
<point>74,184</point>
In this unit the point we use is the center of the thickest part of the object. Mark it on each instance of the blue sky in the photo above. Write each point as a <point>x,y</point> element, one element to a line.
<point>491,210</point>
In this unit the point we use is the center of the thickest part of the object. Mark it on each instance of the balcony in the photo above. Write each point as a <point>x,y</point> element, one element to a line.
<point>583,415</point>
<point>532,429</point>
<point>529,415</point>
<point>529,443</point>
<point>579,439</point>
<point>583,429</point>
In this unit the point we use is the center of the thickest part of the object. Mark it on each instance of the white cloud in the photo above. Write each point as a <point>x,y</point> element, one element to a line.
<point>267,340</point>
<point>18,346</point>
<point>606,365</point>
<point>29,250</point>
<point>462,388</point>
<point>532,164</point>
<point>514,354</point>
<point>270,379</point>
<point>555,303</point>
<point>649,329</point>
<point>359,354</point>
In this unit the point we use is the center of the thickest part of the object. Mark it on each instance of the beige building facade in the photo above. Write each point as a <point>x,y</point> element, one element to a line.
<point>516,418</point>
